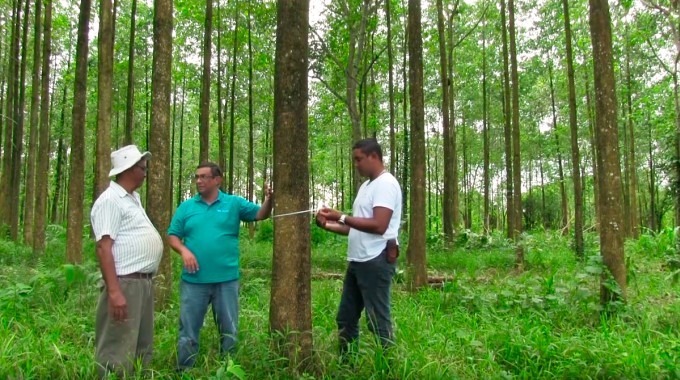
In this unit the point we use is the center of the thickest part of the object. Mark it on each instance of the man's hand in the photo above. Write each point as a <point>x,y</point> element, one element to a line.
<point>117,305</point>
<point>268,191</point>
<point>190,263</point>
<point>320,221</point>
<point>329,214</point>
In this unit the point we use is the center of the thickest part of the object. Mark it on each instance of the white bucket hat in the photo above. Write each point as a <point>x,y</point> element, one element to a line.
<point>124,158</point>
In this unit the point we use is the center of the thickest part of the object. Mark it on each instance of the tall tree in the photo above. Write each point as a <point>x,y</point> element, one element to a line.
<point>560,169</point>
<point>416,254</point>
<point>390,79</point>
<point>159,199</point>
<point>232,101</point>
<point>204,116</point>
<point>609,169</point>
<point>631,162</point>
<point>516,162</point>
<point>573,128</point>
<point>290,313</point>
<point>485,137</point>
<point>43,158</point>
<point>130,97</point>
<point>29,207</point>
<point>448,209</point>
<point>76,184</point>
<point>104,96</point>
<point>11,100</point>
<point>18,134</point>
<point>507,129</point>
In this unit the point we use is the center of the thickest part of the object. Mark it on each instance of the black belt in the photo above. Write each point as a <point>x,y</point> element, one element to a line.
<point>138,275</point>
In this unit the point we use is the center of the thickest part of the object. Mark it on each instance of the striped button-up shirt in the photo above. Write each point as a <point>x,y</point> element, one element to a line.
<point>137,245</point>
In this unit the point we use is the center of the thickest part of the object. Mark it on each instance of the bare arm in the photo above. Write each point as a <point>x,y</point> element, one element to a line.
<point>376,225</point>
<point>266,208</point>
<point>117,301</point>
<point>188,257</point>
<point>332,226</point>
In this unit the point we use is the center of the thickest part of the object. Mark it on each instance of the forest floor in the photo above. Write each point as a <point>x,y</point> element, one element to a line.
<point>486,321</point>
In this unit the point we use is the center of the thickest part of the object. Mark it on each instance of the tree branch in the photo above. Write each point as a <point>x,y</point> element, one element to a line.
<point>467,34</point>
<point>331,90</point>
<point>661,62</point>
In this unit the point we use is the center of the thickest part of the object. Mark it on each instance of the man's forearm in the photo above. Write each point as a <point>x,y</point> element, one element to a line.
<point>108,268</point>
<point>176,244</point>
<point>337,228</point>
<point>265,210</point>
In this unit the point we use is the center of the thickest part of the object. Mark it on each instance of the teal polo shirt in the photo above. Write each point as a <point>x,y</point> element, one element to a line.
<point>211,233</point>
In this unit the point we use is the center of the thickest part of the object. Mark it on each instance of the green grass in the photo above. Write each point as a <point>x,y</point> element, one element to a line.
<point>488,321</point>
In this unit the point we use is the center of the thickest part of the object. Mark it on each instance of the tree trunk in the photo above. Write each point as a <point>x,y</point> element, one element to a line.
<point>593,152</point>
<point>11,99</point>
<point>573,127</point>
<point>516,162</point>
<point>61,149</point>
<point>232,126</point>
<point>507,129</point>
<point>452,135</point>
<point>44,145</point>
<point>159,201</point>
<point>251,141</point>
<point>416,253</point>
<point>652,184</point>
<point>76,185</point>
<point>180,159</point>
<point>634,221</point>
<point>611,233</point>
<point>406,131</point>
<point>560,171</point>
<point>447,211</point>
<point>29,208</point>
<point>204,116</point>
<point>290,312</point>
<point>18,134</point>
<point>130,101</point>
<point>221,157</point>
<point>390,76</point>
<point>485,133</point>
<point>104,97</point>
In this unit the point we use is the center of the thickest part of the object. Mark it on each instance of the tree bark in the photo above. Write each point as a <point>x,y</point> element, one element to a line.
<point>159,200</point>
<point>609,169</point>
<point>204,116</point>
<point>485,137</point>
<point>29,204</point>
<point>390,78</point>
<point>516,162</point>
<point>593,151</point>
<point>634,221</point>
<point>232,127</point>
<point>507,129</point>
<point>104,97</point>
<point>573,127</point>
<point>290,312</point>
<point>18,134</point>
<point>560,170</point>
<point>130,101</point>
<point>11,99</point>
<point>76,193</point>
<point>447,212</point>
<point>416,253</point>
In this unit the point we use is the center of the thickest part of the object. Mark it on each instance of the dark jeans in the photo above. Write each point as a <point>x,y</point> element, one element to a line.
<point>366,286</point>
<point>194,301</point>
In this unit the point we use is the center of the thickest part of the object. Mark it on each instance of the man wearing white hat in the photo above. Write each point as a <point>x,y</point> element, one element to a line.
<point>129,249</point>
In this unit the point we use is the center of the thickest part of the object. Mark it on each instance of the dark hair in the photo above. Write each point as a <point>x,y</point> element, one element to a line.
<point>214,168</point>
<point>369,146</point>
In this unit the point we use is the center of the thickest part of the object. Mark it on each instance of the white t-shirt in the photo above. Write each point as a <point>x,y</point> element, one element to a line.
<point>384,191</point>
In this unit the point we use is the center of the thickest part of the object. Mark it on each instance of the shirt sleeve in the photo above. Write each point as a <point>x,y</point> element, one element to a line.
<point>106,217</point>
<point>247,210</point>
<point>176,227</point>
<point>386,196</point>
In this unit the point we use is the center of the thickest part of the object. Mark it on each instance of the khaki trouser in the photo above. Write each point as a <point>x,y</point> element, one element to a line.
<point>120,344</point>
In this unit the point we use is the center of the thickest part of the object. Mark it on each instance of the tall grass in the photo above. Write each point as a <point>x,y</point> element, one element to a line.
<point>486,321</point>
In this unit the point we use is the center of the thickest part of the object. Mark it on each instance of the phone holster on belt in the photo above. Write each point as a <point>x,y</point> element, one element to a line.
<point>392,251</point>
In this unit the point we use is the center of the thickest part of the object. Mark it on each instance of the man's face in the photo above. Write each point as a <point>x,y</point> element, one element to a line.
<point>206,183</point>
<point>138,172</point>
<point>364,163</point>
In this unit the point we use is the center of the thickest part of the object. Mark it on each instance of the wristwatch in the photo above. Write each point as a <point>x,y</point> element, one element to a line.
<point>342,219</point>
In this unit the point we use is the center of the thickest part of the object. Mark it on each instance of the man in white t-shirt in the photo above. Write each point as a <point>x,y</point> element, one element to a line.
<point>372,228</point>
<point>129,249</point>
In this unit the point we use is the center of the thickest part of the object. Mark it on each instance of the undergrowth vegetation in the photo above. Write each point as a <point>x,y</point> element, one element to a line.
<point>486,320</point>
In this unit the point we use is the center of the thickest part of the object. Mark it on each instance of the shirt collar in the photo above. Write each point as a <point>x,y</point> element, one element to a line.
<point>118,189</point>
<point>220,196</point>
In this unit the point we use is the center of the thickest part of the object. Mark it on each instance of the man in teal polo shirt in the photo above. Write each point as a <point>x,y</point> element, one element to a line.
<point>205,231</point>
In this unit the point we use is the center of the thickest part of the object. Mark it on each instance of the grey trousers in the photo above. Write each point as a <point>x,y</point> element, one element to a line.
<point>118,345</point>
<point>366,286</point>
